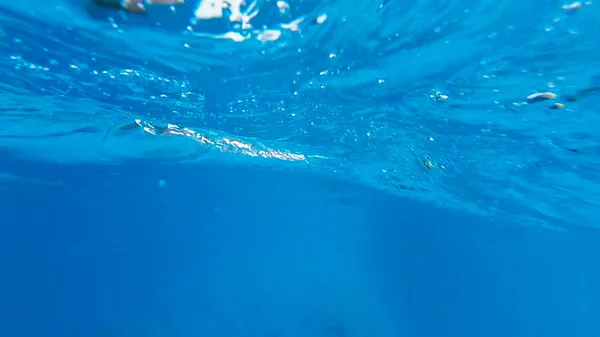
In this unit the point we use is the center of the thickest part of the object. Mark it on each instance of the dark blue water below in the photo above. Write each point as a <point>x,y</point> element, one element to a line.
<point>225,250</point>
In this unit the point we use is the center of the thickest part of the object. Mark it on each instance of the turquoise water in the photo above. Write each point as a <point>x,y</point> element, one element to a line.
<point>368,95</point>
<point>302,168</point>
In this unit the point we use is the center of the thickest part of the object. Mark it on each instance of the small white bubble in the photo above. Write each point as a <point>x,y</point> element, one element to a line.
<point>321,18</point>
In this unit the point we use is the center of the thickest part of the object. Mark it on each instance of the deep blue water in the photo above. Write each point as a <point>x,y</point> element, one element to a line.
<point>378,171</point>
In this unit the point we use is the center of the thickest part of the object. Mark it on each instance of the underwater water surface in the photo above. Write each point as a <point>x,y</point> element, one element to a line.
<point>429,100</point>
<point>300,168</point>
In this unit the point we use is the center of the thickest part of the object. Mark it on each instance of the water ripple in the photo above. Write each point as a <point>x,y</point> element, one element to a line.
<point>428,99</point>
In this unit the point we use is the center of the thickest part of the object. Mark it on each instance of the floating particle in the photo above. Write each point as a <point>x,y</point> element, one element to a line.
<point>321,18</point>
<point>428,163</point>
<point>438,96</point>
<point>293,26</point>
<point>162,183</point>
<point>572,7</point>
<point>283,6</point>
<point>234,36</point>
<point>410,188</point>
<point>572,150</point>
<point>541,96</point>
<point>133,7</point>
<point>269,35</point>
<point>557,106</point>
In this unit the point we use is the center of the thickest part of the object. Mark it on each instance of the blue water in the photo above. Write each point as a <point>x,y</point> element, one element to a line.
<point>325,168</point>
